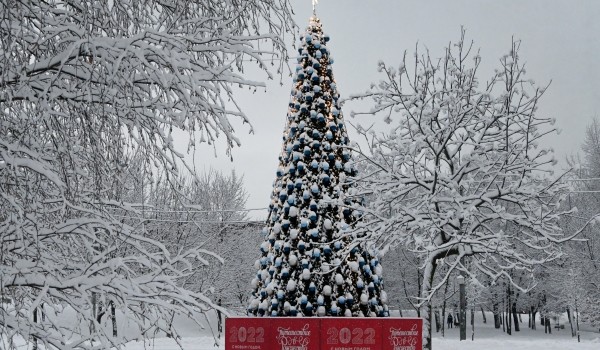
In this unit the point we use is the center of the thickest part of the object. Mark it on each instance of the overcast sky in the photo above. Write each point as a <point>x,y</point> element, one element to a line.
<point>560,43</point>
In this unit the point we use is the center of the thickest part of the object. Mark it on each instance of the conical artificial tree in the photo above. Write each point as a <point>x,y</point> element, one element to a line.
<point>312,264</point>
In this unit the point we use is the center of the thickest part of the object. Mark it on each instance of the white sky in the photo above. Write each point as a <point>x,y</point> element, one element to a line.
<point>560,43</point>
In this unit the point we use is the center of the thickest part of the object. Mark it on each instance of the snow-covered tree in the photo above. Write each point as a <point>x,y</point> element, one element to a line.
<point>312,263</point>
<point>86,88</point>
<point>462,169</point>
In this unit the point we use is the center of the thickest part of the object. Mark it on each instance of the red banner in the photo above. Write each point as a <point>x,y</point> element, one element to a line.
<point>402,333</point>
<point>250,333</point>
<point>326,333</point>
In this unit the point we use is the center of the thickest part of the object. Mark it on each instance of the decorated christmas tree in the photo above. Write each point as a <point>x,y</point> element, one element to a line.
<point>312,264</point>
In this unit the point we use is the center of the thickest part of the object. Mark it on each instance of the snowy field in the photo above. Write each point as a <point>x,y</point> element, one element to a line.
<point>486,338</point>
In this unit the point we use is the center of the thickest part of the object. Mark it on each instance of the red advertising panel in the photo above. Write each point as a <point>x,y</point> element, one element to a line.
<point>295,333</point>
<point>247,333</point>
<point>402,333</point>
<point>350,334</point>
<point>327,333</point>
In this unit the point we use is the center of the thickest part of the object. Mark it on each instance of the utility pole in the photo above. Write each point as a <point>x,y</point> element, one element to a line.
<point>463,308</point>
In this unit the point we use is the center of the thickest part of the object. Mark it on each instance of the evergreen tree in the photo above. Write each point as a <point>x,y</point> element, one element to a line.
<point>312,264</point>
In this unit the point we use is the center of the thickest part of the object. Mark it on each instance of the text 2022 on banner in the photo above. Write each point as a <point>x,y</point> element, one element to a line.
<point>327,333</point>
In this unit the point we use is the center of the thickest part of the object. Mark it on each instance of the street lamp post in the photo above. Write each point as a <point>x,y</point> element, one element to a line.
<point>463,308</point>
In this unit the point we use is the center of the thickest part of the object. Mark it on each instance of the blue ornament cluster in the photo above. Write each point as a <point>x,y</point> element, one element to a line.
<point>311,263</point>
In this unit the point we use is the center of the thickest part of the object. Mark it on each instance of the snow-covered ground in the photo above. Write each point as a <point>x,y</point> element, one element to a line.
<point>486,338</point>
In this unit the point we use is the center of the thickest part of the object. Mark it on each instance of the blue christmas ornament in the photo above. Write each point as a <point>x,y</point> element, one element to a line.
<point>298,184</point>
<point>341,300</point>
<point>315,233</point>
<point>283,196</point>
<point>304,263</point>
<point>307,151</point>
<point>312,288</point>
<point>316,252</point>
<point>301,246</point>
<point>308,38</point>
<point>314,164</point>
<point>321,118</point>
<point>309,309</point>
<point>303,300</point>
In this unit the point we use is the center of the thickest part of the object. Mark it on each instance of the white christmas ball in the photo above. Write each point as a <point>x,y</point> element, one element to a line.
<point>306,274</point>
<point>353,266</point>
<point>291,285</point>
<point>339,280</point>
<point>383,297</point>
<point>348,313</point>
<point>327,290</point>
<point>293,260</point>
<point>321,311</point>
<point>270,288</point>
<point>364,299</point>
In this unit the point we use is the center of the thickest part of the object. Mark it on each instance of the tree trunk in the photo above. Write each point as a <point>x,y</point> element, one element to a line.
<point>35,320</point>
<point>472,323</point>
<point>496,311</point>
<point>483,315</point>
<point>113,316</point>
<point>426,313</point>
<point>507,319</point>
<point>571,322</point>
<point>515,316</point>
<point>437,321</point>
<point>444,309</point>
